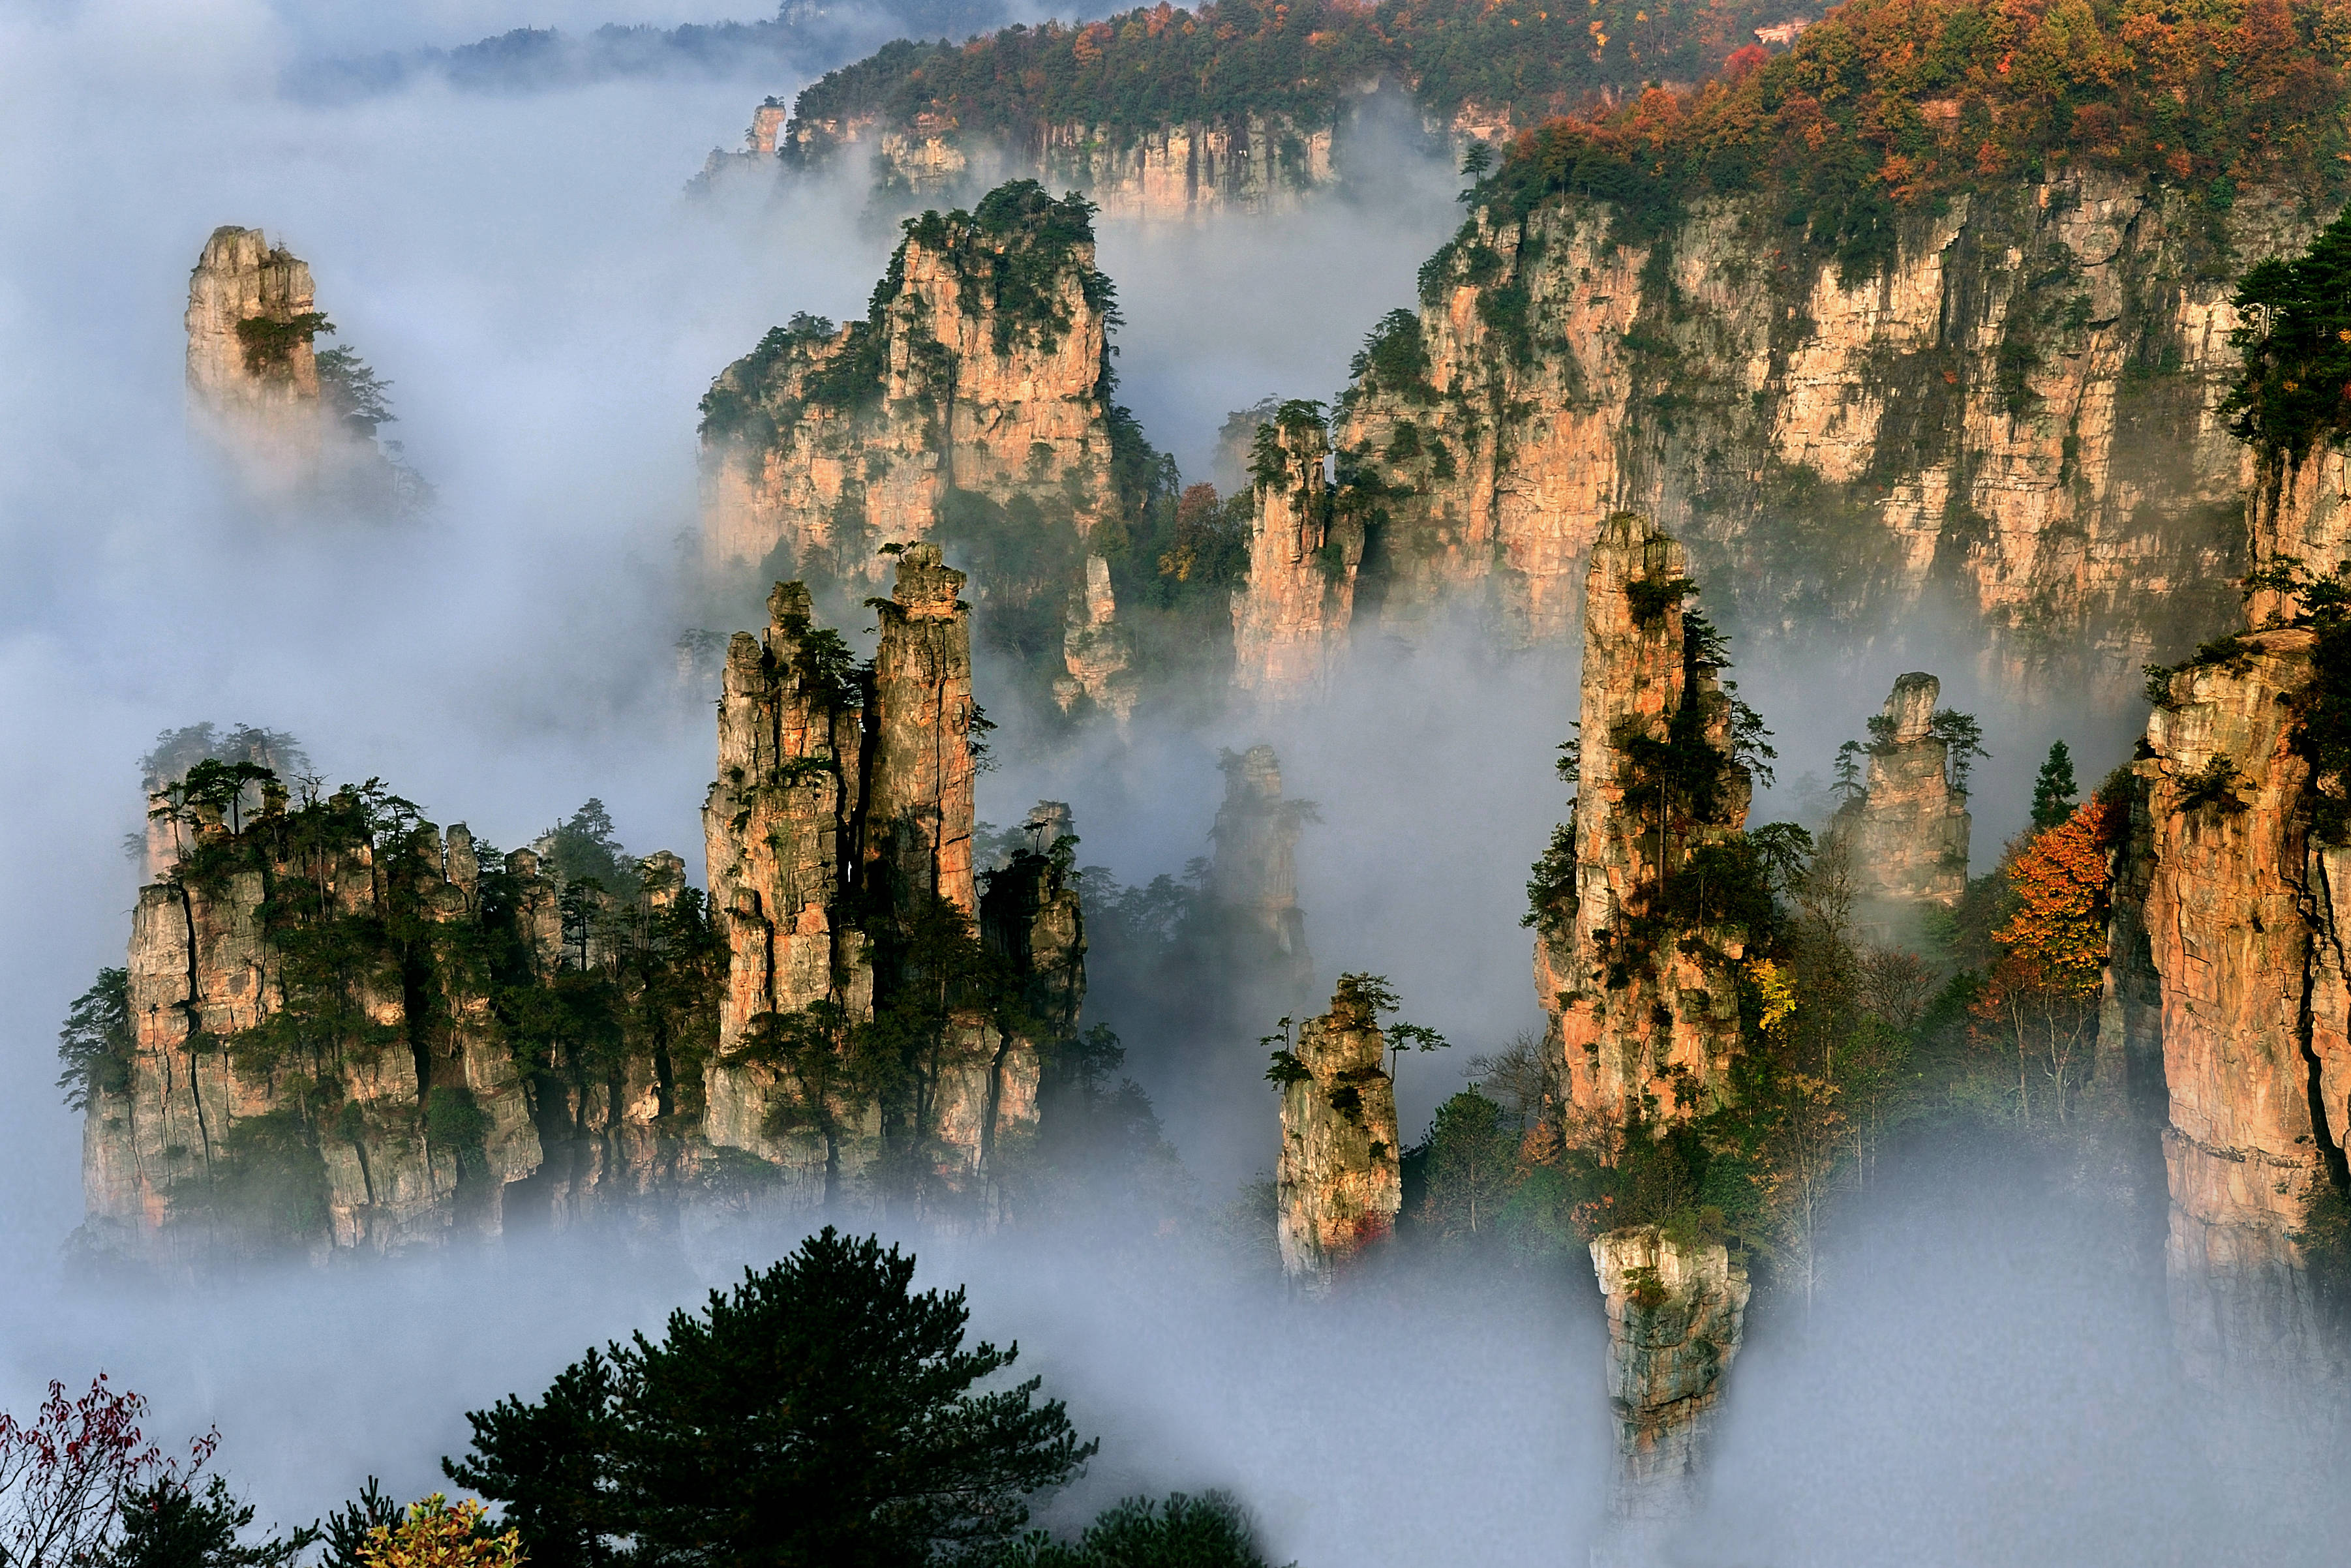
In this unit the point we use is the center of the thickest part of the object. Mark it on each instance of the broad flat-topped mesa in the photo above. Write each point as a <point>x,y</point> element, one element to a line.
<point>1676,1313</point>
<point>1640,1014</point>
<point>1906,833</point>
<point>1340,1181</point>
<point>976,380</point>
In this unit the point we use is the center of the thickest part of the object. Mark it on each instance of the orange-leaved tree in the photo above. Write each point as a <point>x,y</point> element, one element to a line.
<point>2042,990</point>
<point>438,1533</point>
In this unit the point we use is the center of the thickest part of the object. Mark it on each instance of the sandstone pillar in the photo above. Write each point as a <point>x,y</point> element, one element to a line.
<point>1291,620</point>
<point>1340,1181</point>
<point>1252,888</point>
<point>1909,830</point>
<point>919,815</point>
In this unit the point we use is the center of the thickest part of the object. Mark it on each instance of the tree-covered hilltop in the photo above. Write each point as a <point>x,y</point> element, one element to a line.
<point>1230,58</point>
<point>1889,105</point>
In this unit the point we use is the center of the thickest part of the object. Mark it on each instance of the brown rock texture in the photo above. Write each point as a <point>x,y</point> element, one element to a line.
<point>1638,1010</point>
<point>1676,1312</point>
<point>1908,829</point>
<point>1290,626</point>
<point>1340,1182</point>
<point>240,278</point>
<point>2019,417</point>
<point>2244,933</point>
<point>976,380</point>
<point>317,1061</point>
<point>919,814</point>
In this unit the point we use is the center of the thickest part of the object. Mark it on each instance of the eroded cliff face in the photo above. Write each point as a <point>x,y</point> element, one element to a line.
<point>1098,654</point>
<point>317,1061</point>
<point>1642,994</point>
<point>2016,417</point>
<point>841,860</point>
<point>1249,163</point>
<point>256,392</point>
<point>977,382</point>
<point>1290,625</point>
<point>1907,832</point>
<point>2244,932</point>
<point>1676,1315</point>
<point>1340,1181</point>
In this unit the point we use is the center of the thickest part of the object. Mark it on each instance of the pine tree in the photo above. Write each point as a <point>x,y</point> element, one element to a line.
<point>2054,789</point>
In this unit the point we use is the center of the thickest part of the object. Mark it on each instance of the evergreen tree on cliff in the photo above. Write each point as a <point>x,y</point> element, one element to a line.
<point>819,1413</point>
<point>2054,789</point>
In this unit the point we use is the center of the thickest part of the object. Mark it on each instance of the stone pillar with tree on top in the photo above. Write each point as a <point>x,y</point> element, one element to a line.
<point>1340,1179</point>
<point>1906,827</point>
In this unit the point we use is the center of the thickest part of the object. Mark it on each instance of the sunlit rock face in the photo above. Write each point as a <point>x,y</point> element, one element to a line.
<point>1634,1014</point>
<point>975,382</point>
<point>1676,1310</point>
<point>1340,1181</point>
<point>1290,625</point>
<point>2019,415</point>
<point>841,821</point>
<point>1908,833</point>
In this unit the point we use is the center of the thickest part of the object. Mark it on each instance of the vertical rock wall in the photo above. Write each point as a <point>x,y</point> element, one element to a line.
<point>1640,1009</point>
<point>1676,1315</point>
<point>1340,1181</point>
<point>242,278</point>
<point>1290,624</point>
<point>1909,830</point>
<point>979,370</point>
<point>2020,413</point>
<point>1252,888</point>
<point>1097,652</point>
<point>919,814</point>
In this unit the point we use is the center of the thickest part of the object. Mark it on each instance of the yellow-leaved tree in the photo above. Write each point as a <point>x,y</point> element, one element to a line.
<point>438,1533</point>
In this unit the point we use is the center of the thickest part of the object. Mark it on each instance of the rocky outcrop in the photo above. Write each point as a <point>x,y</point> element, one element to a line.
<point>1256,930</point>
<point>1097,652</point>
<point>2018,414</point>
<point>1633,965</point>
<point>316,1063</point>
<point>840,858</point>
<point>1291,624</point>
<point>1340,1180</point>
<point>1247,163</point>
<point>1908,831</point>
<point>975,385</point>
<point>2244,932</point>
<point>1676,1310</point>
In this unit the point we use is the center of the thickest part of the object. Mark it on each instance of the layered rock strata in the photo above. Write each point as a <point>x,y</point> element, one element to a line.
<point>975,385</point>
<point>1908,831</point>
<point>1643,1002</point>
<point>1676,1313</point>
<point>2018,414</point>
<point>1290,626</point>
<point>1339,1183</point>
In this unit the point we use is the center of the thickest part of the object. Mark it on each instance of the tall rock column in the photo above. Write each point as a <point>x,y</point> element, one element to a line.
<point>1029,914</point>
<point>1340,1179</point>
<point>919,814</point>
<point>780,827</point>
<point>1909,830</point>
<point>241,280</point>
<point>1291,622</point>
<point>1641,1009</point>
<point>1676,1315</point>
<point>2244,930</point>
<point>1252,890</point>
<point>1097,652</point>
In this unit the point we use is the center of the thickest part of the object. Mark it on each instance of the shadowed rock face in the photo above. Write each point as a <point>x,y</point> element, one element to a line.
<point>1632,1014</point>
<point>1676,1313</point>
<point>1252,890</point>
<point>1340,1182</point>
<point>1908,832</point>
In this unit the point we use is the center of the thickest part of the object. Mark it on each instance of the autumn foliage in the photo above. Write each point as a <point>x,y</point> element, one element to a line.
<point>438,1534</point>
<point>2059,928</point>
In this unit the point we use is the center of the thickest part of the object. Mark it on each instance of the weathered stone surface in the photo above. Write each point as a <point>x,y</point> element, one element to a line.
<point>1676,1312</point>
<point>1340,1180</point>
<point>1908,831</point>
<point>831,447</point>
<point>1290,625</point>
<point>2241,920</point>
<point>1637,1014</point>
<point>240,278</point>
<point>1978,416</point>
<point>919,815</point>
